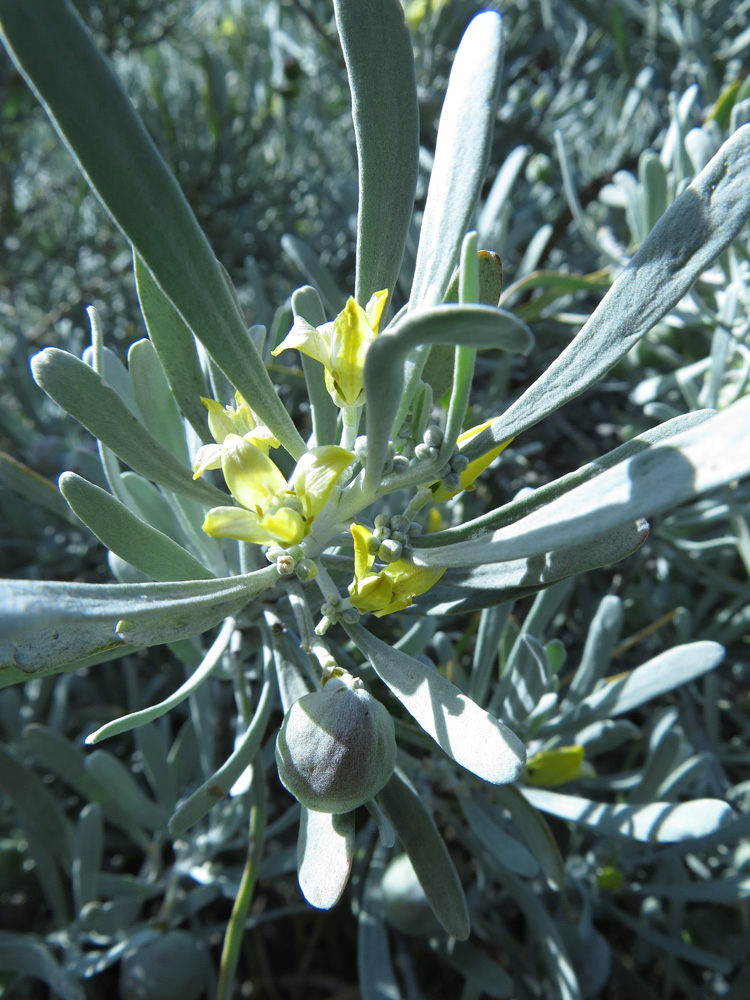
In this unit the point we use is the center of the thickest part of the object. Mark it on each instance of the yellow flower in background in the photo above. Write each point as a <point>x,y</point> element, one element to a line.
<point>550,768</point>
<point>473,469</point>
<point>390,589</point>
<point>225,420</point>
<point>340,346</point>
<point>273,510</point>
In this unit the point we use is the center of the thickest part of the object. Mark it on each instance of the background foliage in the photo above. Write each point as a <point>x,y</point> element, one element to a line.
<point>249,104</point>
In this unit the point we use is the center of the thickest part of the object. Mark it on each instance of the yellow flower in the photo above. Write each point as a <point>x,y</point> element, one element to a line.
<point>392,588</point>
<point>340,346</point>
<point>473,469</point>
<point>550,768</point>
<point>273,511</point>
<point>224,420</point>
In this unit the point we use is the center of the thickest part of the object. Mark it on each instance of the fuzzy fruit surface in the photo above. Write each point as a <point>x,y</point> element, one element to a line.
<point>336,748</point>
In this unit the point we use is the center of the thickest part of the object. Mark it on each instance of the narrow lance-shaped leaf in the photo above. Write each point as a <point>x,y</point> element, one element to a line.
<point>708,456</point>
<point>691,234</point>
<point>427,852</point>
<point>380,65</point>
<point>657,822</point>
<point>175,345</point>
<point>516,509</point>
<point>472,737</point>
<point>125,534</point>
<point>83,97</point>
<point>325,848</point>
<point>45,626</point>
<point>87,397</point>
<point>461,156</point>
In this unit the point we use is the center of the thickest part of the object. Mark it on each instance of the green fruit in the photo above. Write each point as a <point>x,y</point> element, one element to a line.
<point>336,748</point>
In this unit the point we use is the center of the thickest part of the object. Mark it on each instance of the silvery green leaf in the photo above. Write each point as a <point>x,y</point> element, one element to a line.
<point>386,127</point>
<point>155,400</point>
<point>221,782</point>
<point>691,234</point>
<point>468,325</point>
<point>86,103</point>
<point>89,400</point>
<point>429,856</point>
<point>23,954</point>
<point>662,758</point>
<point>112,774</point>
<point>150,504</point>
<point>478,586</point>
<point>685,776</point>
<point>153,755</point>
<point>710,455</point>
<point>461,156</point>
<point>468,734</point>
<point>175,345</point>
<point>529,678</point>
<point>481,974</point>
<point>536,832</point>
<point>489,221</point>
<point>653,180</point>
<point>88,843</point>
<point>547,933</point>
<point>655,822</point>
<point>309,265</point>
<point>32,487</point>
<point>492,623</point>
<point>45,627</point>
<point>601,639</point>
<point>306,303</point>
<point>325,848</point>
<point>605,735</point>
<point>505,849</point>
<point>125,534</point>
<point>48,831</point>
<point>68,762</point>
<point>516,509</point>
<point>377,980</point>
<point>663,673</point>
<point>115,374</point>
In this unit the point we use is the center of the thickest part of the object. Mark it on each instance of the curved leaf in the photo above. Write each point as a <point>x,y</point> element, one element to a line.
<point>472,737</point>
<point>325,848</point>
<point>380,65</point>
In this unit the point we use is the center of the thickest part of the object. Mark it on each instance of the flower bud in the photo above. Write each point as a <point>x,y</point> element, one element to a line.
<point>336,748</point>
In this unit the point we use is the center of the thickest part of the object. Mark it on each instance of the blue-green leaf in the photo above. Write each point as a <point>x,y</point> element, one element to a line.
<point>380,65</point>
<point>325,848</point>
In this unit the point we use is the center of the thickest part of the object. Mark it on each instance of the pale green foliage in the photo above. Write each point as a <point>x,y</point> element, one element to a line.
<point>333,527</point>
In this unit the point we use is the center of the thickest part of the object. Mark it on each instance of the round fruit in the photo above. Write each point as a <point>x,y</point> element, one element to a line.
<point>337,747</point>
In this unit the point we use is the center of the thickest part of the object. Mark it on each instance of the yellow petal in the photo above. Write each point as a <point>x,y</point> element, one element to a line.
<point>412,580</point>
<point>233,522</point>
<point>550,768</point>
<point>310,340</point>
<point>208,456</point>
<point>374,309</point>
<point>316,474</point>
<point>363,558</point>
<point>251,476</point>
<point>285,526</point>
<point>220,422</point>
<point>473,469</point>
<point>352,336</point>
<point>373,593</point>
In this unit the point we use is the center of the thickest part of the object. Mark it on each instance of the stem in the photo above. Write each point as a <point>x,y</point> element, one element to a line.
<point>236,927</point>
<point>350,416</point>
